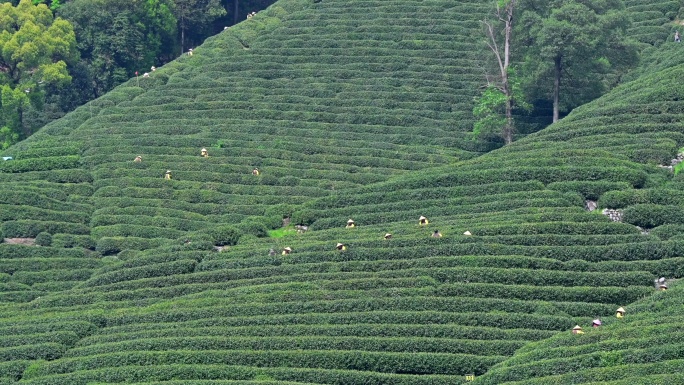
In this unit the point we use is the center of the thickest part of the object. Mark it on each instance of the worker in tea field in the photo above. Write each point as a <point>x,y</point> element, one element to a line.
<point>341,247</point>
<point>436,234</point>
<point>256,172</point>
<point>660,283</point>
<point>287,250</point>
<point>388,236</point>
<point>577,330</point>
<point>677,38</point>
<point>620,312</point>
<point>423,221</point>
<point>596,323</point>
<point>167,176</point>
<point>350,224</point>
<point>138,159</point>
<point>271,252</point>
<point>190,52</point>
<point>204,153</point>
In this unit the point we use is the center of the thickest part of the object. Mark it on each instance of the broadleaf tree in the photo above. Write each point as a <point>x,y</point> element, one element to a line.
<point>499,96</point>
<point>196,15</point>
<point>573,47</point>
<point>117,38</point>
<point>36,49</point>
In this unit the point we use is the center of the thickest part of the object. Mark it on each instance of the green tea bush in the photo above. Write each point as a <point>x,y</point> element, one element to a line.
<point>165,373</point>
<point>589,189</point>
<point>13,212</point>
<point>67,338</point>
<point>44,326</point>
<point>157,270</point>
<point>8,251</point>
<point>54,275</point>
<point>364,361</point>
<point>224,235</point>
<point>625,198</point>
<point>59,149</point>
<point>253,227</point>
<point>44,239</point>
<point>652,215</point>
<point>55,286</point>
<point>136,231</point>
<point>26,228</point>
<point>377,344</point>
<point>666,232</point>
<point>40,164</point>
<point>113,245</point>
<point>199,241</point>
<point>12,370</point>
<point>45,350</point>
<point>70,240</point>
<point>40,200</point>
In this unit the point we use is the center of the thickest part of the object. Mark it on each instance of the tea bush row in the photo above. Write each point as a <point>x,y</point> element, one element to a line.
<point>142,220</point>
<point>66,338</point>
<point>360,197</point>
<point>28,228</point>
<point>111,245</point>
<point>40,164</point>
<point>466,335</point>
<point>38,351</point>
<point>161,269</point>
<point>414,209</point>
<point>393,333</point>
<point>628,197</point>
<point>53,275</point>
<point>613,295</point>
<point>28,326</point>
<point>507,308</point>
<point>12,212</point>
<point>33,199</point>
<point>137,231</point>
<point>73,241</point>
<point>23,296</point>
<point>299,343</point>
<point>652,215</point>
<point>412,363</point>
<point>39,264</point>
<point>166,373</point>
<point>586,367</point>
<point>12,371</point>
<point>10,251</point>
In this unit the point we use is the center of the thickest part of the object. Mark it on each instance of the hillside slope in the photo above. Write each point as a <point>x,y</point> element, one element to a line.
<point>167,306</point>
<point>642,348</point>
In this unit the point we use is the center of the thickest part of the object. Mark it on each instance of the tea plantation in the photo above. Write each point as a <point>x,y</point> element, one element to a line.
<point>182,269</point>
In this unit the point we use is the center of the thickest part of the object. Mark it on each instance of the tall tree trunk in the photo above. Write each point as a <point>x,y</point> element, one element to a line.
<point>235,12</point>
<point>508,92</point>
<point>556,87</point>
<point>508,129</point>
<point>504,15</point>
<point>182,35</point>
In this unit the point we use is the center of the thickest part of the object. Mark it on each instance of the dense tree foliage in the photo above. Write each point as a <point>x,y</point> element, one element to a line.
<point>196,15</point>
<point>578,46</point>
<point>494,108</point>
<point>35,51</point>
<point>117,38</point>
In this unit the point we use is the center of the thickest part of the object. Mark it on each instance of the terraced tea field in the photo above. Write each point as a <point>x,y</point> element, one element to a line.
<point>355,112</point>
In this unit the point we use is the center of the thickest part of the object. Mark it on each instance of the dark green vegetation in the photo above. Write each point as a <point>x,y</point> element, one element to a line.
<point>348,112</point>
<point>114,40</point>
